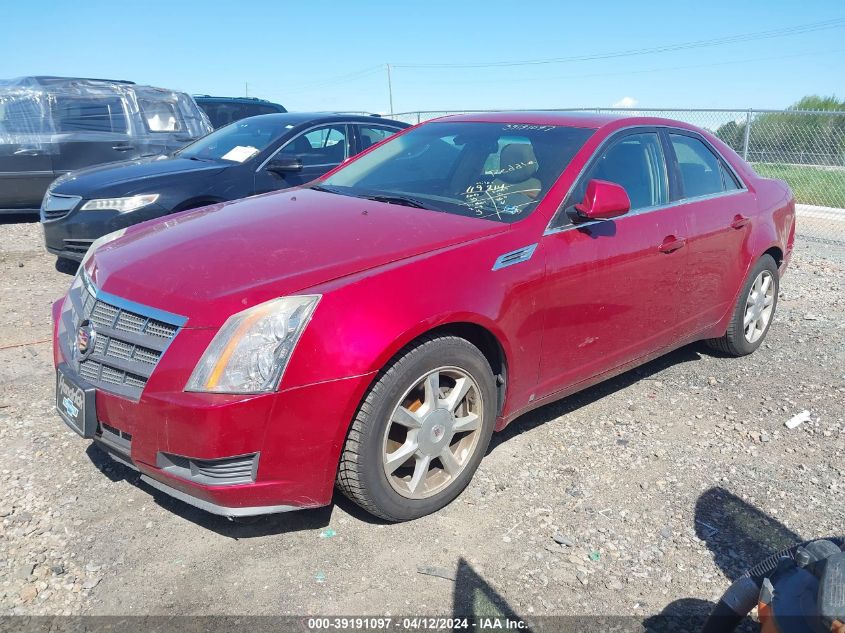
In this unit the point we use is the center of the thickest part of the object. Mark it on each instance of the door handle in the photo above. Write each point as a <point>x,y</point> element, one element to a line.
<point>671,244</point>
<point>739,221</point>
<point>122,148</point>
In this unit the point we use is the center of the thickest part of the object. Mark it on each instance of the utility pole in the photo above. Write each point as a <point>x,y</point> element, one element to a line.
<point>389,88</point>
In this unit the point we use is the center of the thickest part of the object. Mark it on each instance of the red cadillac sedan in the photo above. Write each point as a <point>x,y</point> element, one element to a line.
<point>371,330</point>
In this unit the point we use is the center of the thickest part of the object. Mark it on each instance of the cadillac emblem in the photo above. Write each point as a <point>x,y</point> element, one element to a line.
<point>85,339</point>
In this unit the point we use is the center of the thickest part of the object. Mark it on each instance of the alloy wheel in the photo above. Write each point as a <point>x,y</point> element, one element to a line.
<point>432,433</point>
<point>758,306</point>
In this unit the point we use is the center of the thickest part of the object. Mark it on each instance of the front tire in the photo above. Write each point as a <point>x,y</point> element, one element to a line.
<point>421,431</point>
<point>67,266</point>
<point>753,312</point>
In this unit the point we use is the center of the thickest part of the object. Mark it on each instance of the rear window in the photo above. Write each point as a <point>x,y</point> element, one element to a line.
<point>103,114</point>
<point>160,116</point>
<point>221,114</point>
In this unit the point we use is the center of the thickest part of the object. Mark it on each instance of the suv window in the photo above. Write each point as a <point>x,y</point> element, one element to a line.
<point>701,170</point>
<point>327,145</point>
<point>160,116</point>
<point>104,114</point>
<point>22,116</point>
<point>372,134</point>
<point>635,162</point>
<point>221,114</point>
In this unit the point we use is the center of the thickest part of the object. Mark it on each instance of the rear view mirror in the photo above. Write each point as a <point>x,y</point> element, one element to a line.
<point>284,165</point>
<point>602,201</point>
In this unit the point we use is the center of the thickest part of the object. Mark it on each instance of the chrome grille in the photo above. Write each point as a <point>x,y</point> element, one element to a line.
<point>128,339</point>
<point>55,206</point>
<point>157,328</point>
<point>103,314</point>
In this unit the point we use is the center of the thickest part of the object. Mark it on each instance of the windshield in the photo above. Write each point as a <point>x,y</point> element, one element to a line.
<point>237,142</point>
<point>498,171</point>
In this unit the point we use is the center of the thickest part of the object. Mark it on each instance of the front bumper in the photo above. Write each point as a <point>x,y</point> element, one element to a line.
<point>298,434</point>
<point>22,211</point>
<point>70,236</point>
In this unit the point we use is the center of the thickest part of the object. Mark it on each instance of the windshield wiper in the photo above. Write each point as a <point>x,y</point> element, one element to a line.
<point>397,199</point>
<point>325,189</point>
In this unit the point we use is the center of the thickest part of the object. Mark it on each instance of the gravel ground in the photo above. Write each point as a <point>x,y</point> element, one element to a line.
<point>642,495</point>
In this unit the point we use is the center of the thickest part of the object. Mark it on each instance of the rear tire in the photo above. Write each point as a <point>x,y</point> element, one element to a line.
<point>421,430</point>
<point>754,311</point>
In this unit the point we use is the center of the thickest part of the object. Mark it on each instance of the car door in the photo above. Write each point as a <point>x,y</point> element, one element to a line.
<point>26,152</point>
<point>92,130</point>
<point>318,150</point>
<point>719,212</point>
<point>611,286</point>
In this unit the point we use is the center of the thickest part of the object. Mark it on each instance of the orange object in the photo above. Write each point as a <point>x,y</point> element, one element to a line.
<point>767,621</point>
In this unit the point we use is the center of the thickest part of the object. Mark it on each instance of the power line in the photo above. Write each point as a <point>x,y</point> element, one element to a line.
<point>642,71</point>
<point>732,39</point>
<point>308,87</point>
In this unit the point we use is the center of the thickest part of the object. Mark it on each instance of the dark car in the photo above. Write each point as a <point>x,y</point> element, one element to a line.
<point>52,125</point>
<point>252,156</point>
<point>225,110</point>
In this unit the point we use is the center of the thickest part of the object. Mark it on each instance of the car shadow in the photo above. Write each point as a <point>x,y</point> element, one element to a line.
<point>318,518</point>
<point>19,218</point>
<point>738,536</point>
<point>252,527</point>
<point>546,413</point>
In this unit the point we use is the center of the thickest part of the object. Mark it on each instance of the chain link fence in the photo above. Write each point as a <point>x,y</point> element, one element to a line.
<point>804,148</point>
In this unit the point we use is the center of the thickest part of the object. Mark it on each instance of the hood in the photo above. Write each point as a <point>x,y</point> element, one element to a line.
<point>130,176</point>
<point>213,262</point>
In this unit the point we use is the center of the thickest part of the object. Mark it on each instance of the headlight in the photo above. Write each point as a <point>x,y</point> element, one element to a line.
<point>250,352</point>
<point>123,205</point>
<point>105,239</point>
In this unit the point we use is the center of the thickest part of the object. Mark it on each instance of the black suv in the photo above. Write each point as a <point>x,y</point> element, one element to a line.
<point>52,125</point>
<point>255,155</point>
<point>225,110</point>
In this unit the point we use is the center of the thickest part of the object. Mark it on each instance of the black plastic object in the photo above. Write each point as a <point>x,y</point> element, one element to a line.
<point>736,603</point>
<point>831,598</point>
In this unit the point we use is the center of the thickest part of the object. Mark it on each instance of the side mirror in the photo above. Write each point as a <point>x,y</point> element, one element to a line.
<point>284,165</point>
<point>602,201</point>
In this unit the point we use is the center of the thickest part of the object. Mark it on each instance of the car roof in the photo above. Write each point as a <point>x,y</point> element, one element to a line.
<point>51,80</point>
<point>298,118</point>
<point>567,119</point>
<point>199,98</point>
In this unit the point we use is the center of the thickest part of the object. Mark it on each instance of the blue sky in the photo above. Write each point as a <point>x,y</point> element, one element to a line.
<point>321,55</point>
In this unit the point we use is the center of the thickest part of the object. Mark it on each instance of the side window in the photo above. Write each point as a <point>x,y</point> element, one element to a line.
<point>371,134</point>
<point>729,182</point>
<point>325,145</point>
<point>160,116</point>
<point>89,115</point>
<point>701,171</point>
<point>635,162</point>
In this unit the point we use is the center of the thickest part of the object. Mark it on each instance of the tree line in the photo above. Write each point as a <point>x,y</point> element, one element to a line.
<point>804,138</point>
